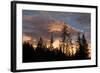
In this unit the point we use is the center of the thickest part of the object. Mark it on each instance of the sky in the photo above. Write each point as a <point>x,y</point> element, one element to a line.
<point>36,24</point>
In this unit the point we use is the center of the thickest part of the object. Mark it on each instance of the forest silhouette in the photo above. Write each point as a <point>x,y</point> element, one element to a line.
<point>42,53</point>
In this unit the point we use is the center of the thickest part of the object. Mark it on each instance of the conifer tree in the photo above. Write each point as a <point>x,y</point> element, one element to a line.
<point>51,42</point>
<point>83,46</point>
<point>40,43</point>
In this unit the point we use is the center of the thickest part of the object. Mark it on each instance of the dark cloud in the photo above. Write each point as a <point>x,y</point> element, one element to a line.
<point>84,18</point>
<point>36,26</point>
<point>36,23</point>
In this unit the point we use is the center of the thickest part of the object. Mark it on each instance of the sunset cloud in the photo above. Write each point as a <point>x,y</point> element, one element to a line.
<point>42,23</point>
<point>58,27</point>
<point>26,38</point>
<point>55,27</point>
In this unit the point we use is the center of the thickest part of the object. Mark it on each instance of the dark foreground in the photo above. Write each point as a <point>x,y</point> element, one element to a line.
<point>44,54</point>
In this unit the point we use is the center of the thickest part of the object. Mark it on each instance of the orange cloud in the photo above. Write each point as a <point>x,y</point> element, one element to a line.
<point>58,26</point>
<point>26,38</point>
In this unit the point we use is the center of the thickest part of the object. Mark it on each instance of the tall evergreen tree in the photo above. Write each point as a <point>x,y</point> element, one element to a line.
<point>40,43</point>
<point>64,33</point>
<point>83,46</point>
<point>78,54</point>
<point>51,42</point>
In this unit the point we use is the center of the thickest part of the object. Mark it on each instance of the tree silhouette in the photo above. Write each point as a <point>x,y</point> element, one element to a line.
<point>28,52</point>
<point>64,33</point>
<point>66,39</point>
<point>44,53</point>
<point>83,46</point>
<point>40,54</point>
<point>40,43</point>
<point>80,46</point>
<point>51,41</point>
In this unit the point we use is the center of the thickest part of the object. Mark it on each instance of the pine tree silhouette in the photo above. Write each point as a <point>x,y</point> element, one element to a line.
<point>43,53</point>
<point>51,42</point>
<point>40,43</point>
<point>64,33</point>
<point>78,54</point>
<point>28,52</point>
<point>83,46</point>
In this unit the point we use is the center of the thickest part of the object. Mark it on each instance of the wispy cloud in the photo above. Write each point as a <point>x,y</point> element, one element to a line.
<point>42,23</point>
